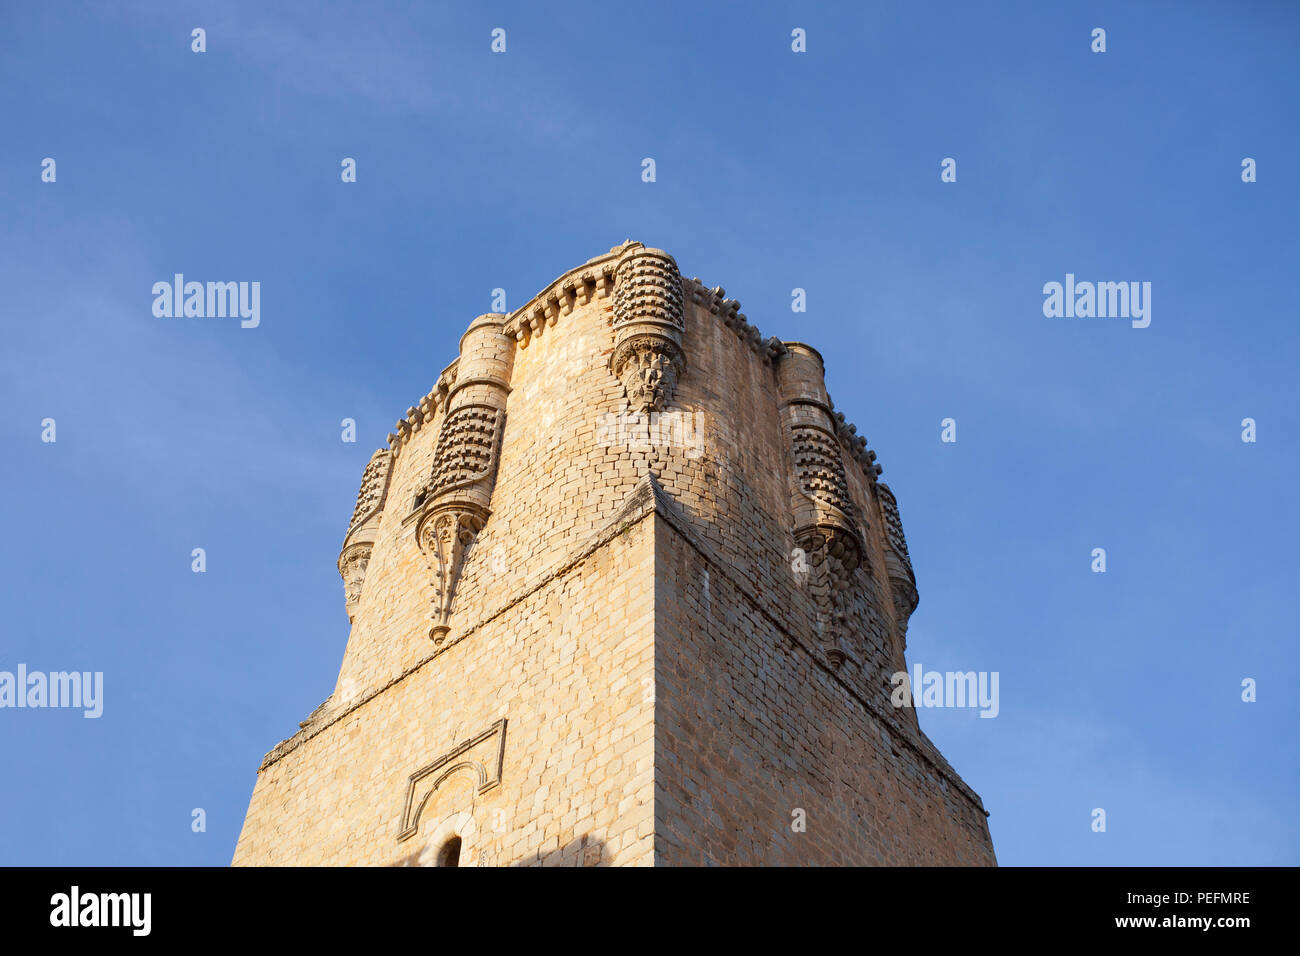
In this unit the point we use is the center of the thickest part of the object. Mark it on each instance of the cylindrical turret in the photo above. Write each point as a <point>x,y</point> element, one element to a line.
<point>898,564</point>
<point>359,541</point>
<point>648,327</point>
<point>826,524</point>
<point>454,503</point>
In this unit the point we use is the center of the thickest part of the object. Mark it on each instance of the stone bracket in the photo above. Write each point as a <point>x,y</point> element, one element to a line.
<point>445,536</point>
<point>834,555</point>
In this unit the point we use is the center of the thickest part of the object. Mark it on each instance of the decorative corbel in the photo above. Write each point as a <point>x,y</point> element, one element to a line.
<point>445,536</point>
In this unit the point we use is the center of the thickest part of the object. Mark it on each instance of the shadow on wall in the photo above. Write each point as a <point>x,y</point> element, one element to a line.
<point>587,850</point>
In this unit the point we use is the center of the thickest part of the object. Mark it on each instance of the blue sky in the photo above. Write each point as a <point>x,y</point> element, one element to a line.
<point>775,170</point>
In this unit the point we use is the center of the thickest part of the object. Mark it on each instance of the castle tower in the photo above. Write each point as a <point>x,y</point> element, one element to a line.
<point>625,589</point>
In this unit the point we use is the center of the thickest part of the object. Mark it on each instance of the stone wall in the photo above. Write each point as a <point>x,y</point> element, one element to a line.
<point>751,726</point>
<point>566,669</point>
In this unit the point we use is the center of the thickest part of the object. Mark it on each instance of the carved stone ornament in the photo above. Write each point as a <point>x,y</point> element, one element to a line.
<point>833,556</point>
<point>352,566</point>
<point>445,536</point>
<point>648,366</point>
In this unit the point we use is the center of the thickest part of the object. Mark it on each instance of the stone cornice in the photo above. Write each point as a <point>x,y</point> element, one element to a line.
<point>425,410</point>
<point>595,277</point>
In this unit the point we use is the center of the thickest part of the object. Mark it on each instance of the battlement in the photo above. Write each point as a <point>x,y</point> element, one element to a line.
<point>595,279</point>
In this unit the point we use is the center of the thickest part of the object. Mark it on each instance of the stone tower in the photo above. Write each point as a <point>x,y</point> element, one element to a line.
<point>624,589</point>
